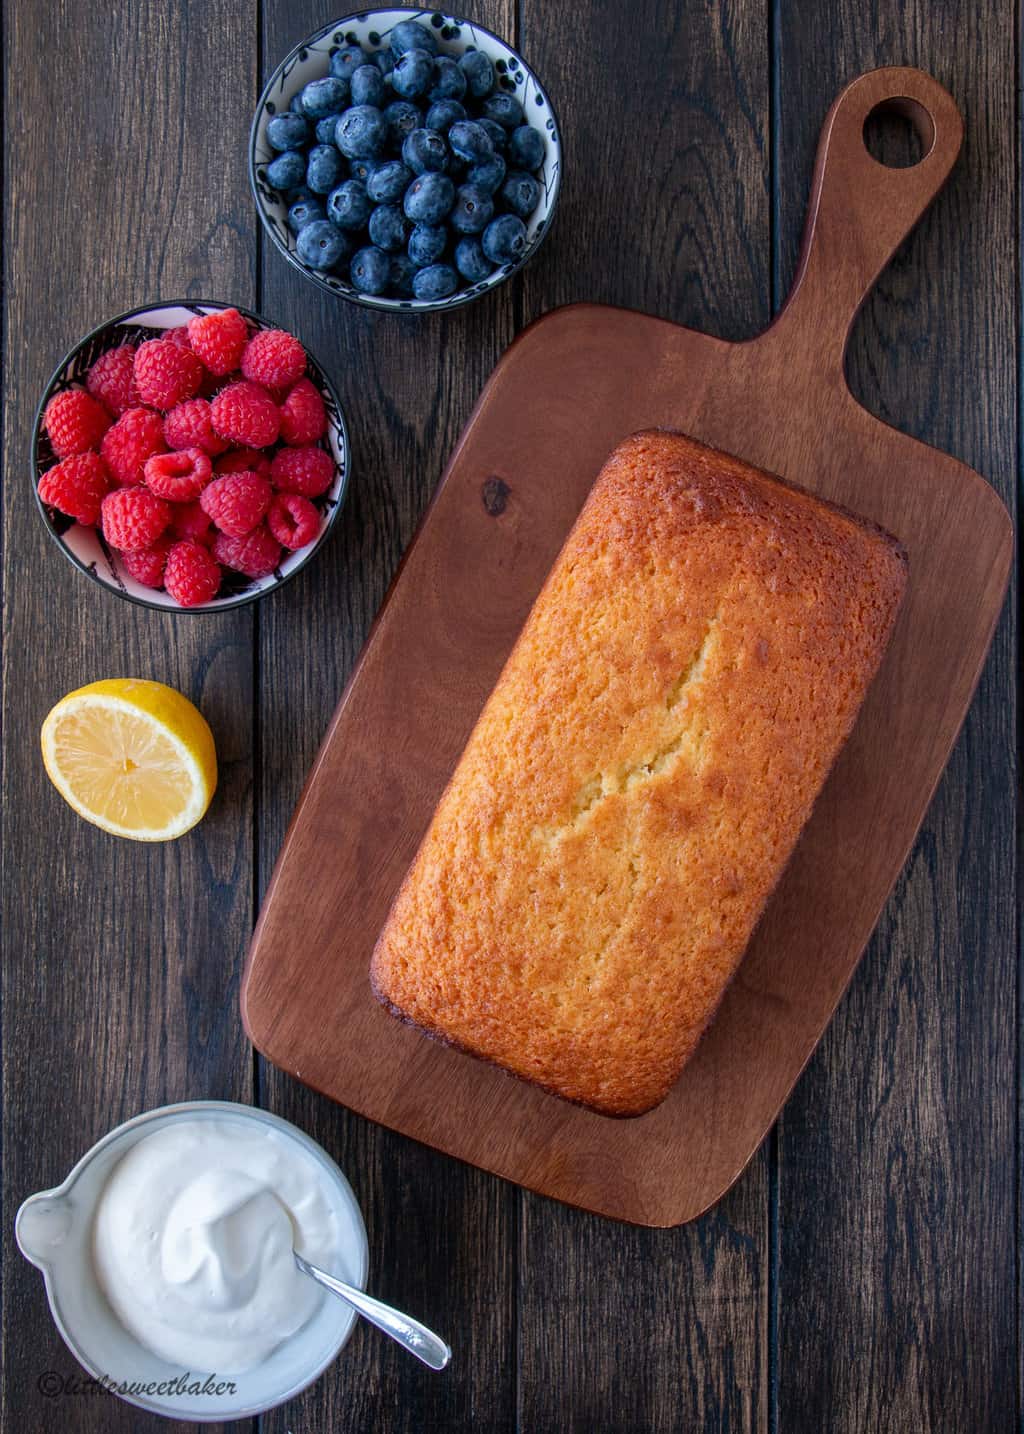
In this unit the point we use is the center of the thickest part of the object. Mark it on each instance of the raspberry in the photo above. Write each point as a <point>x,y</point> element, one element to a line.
<point>75,422</point>
<point>245,413</point>
<point>166,374</point>
<point>111,379</point>
<point>178,336</point>
<point>303,416</point>
<point>293,520</point>
<point>236,502</point>
<point>273,358</point>
<point>189,521</point>
<point>178,477</point>
<point>136,436</point>
<point>219,339</point>
<point>191,575</point>
<point>309,471</point>
<point>189,426</point>
<point>244,460</point>
<point>76,487</point>
<point>256,555</point>
<point>133,518</point>
<point>147,565</point>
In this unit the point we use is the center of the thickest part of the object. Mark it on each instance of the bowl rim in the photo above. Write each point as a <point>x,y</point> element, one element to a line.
<point>378,301</point>
<point>202,609</point>
<point>170,1112</point>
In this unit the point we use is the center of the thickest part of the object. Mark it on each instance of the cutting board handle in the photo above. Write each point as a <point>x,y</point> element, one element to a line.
<point>860,211</point>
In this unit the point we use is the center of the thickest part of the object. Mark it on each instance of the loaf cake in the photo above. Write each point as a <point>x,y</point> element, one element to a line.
<point>640,774</point>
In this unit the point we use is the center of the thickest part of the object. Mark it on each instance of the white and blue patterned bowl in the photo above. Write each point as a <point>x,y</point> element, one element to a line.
<point>371,28</point>
<point>87,548</point>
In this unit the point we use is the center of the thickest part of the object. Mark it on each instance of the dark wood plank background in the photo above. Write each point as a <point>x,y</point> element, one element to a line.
<point>863,1274</point>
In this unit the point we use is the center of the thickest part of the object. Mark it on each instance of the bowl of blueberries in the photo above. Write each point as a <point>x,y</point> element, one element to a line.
<point>405,159</point>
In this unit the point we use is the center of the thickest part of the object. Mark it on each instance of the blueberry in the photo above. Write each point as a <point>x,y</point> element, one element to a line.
<point>348,206</point>
<point>425,149</point>
<point>295,104</point>
<point>361,132</point>
<point>504,239</point>
<point>429,198</point>
<point>488,175</point>
<point>368,86</point>
<point>504,110</point>
<point>389,228</point>
<point>469,141</point>
<point>325,129</point>
<point>498,135</point>
<point>521,193</point>
<point>449,80</point>
<point>328,96</point>
<point>287,131</point>
<point>471,261</point>
<point>401,118</point>
<point>346,61</point>
<point>479,73</point>
<point>413,74</point>
<point>388,182</point>
<point>324,168</point>
<point>442,114</point>
<point>402,271</point>
<point>407,35</point>
<point>473,210</point>
<point>385,62</point>
<point>427,244</point>
<point>370,270</point>
<point>321,246</point>
<point>287,170</point>
<point>526,148</point>
<point>303,212</point>
<point>437,281</point>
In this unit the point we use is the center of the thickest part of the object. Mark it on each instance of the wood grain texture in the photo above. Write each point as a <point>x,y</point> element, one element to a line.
<point>897,1281</point>
<point>121,960</point>
<point>665,203</point>
<point>442,1236</point>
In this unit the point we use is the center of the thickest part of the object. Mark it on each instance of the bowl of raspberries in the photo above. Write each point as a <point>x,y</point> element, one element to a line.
<point>189,456</point>
<point>405,159</point>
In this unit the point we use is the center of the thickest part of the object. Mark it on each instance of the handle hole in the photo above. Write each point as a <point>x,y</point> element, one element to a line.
<point>899,133</point>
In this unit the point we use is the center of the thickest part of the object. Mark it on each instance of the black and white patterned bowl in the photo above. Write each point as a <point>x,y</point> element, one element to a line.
<point>371,28</point>
<point>87,548</point>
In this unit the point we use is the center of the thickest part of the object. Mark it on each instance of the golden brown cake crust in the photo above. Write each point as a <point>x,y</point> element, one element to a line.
<point>640,774</point>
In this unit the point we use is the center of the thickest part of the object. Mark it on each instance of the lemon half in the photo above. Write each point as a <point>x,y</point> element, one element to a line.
<point>134,757</point>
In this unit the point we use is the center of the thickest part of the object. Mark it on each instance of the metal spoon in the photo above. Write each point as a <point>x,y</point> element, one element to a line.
<point>413,1336</point>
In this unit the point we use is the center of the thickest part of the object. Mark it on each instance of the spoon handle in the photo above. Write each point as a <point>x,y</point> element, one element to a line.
<point>415,1337</point>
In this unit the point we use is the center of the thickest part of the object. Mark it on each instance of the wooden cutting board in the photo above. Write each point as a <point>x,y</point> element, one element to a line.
<point>563,395</point>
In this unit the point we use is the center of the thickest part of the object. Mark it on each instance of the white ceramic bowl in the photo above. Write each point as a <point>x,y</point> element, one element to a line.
<point>370,28</point>
<point>54,1230</point>
<point>86,548</point>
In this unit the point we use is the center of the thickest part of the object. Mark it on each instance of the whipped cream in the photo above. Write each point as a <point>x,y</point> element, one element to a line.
<point>193,1241</point>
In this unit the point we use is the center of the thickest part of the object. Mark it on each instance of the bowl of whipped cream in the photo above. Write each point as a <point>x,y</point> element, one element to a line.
<point>167,1255</point>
